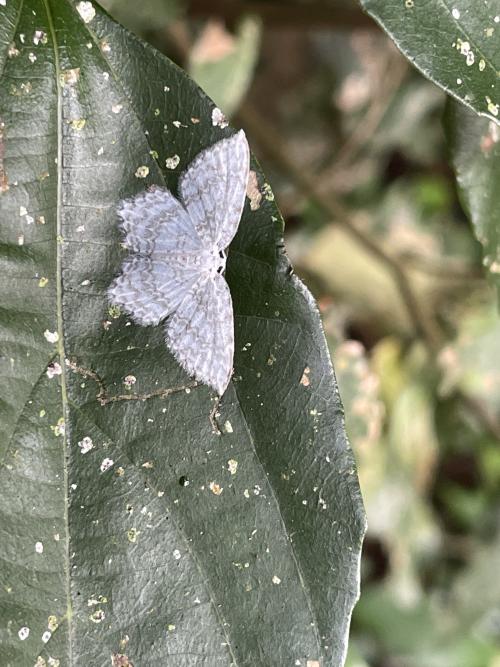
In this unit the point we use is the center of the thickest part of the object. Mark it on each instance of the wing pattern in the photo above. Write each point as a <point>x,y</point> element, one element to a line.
<point>200,333</point>
<point>174,269</point>
<point>213,189</point>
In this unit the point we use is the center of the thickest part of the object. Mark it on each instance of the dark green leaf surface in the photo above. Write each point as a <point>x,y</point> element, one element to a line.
<point>130,532</point>
<point>475,147</point>
<point>455,43</point>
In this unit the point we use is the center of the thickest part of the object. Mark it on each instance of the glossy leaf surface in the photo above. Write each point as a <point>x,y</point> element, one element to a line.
<point>455,44</point>
<point>132,534</point>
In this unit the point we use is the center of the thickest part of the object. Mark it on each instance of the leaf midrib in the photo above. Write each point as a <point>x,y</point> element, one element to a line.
<point>60,331</point>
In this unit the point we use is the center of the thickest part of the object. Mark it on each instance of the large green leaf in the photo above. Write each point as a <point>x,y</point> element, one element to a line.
<point>130,528</point>
<point>475,149</point>
<point>454,43</point>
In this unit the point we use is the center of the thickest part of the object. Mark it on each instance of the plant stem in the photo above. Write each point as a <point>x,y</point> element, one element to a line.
<point>270,143</point>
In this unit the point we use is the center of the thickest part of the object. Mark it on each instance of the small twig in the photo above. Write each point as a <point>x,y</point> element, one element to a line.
<point>425,326</point>
<point>214,413</point>
<point>104,398</point>
<point>450,270</point>
<point>270,143</point>
<point>480,412</point>
<point>396,70</point>
<point>310,15</point>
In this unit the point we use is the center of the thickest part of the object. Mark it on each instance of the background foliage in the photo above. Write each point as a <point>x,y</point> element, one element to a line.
<point>132,531</point>
<point>355,142</point>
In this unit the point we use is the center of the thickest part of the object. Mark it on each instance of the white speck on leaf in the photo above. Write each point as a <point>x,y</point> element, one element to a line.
<point>218,118</point>
<point>106,464</point>
<point>132,535</point>
<point>23,633</point>
<point>276,580</point>
<point>78,124</point>
<point>176,554</point>
<point>97,616</point>
<point>51,336</point>
<point>86,444</point>
<point>40,37</point>
<point>215,488</point>
<point>129,380</point>
<point>53,369</point>
<point>228,427</point>
<point>46,636</point>
<point>12,51</point>
<point>142,171</point>
<point>172,162</point>
<point>86,11</point>
<point>304,380</point>
<point>455,13</point>
<point>60,428</point>
<point>39,548</point>
<point>116,108</point>
<point>492,108</point>
<point>69,77</point>
<point>232,466</point>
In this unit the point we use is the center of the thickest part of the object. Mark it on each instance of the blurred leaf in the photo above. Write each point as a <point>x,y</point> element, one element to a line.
<point>362,282</point>
<point>476,594</point>
<point>455,45</point>
<point>142,15</point>
<point>421,635</point>
<point>475,146</point>
<point>412,436</point>
<point>131,532</point>
<point>387,361</point>
<point>354,656</point>
<point>409,124</point>
<point>349,271</point>
<point>223,64</point>
<point>359,389</point>
<point>466,507</point>
<point>395,473</point>
<point>470,361</point>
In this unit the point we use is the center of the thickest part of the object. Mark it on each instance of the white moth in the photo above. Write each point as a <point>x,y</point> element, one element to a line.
<point>175,268</point>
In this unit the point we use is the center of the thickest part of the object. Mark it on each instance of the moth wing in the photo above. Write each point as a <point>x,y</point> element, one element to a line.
<point>213,189</point>
<point>149,290</point>
<point>156,220</point>
<point>200,333</point>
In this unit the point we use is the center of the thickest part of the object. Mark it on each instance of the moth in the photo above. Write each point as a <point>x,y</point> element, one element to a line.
<point>174,272</point>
